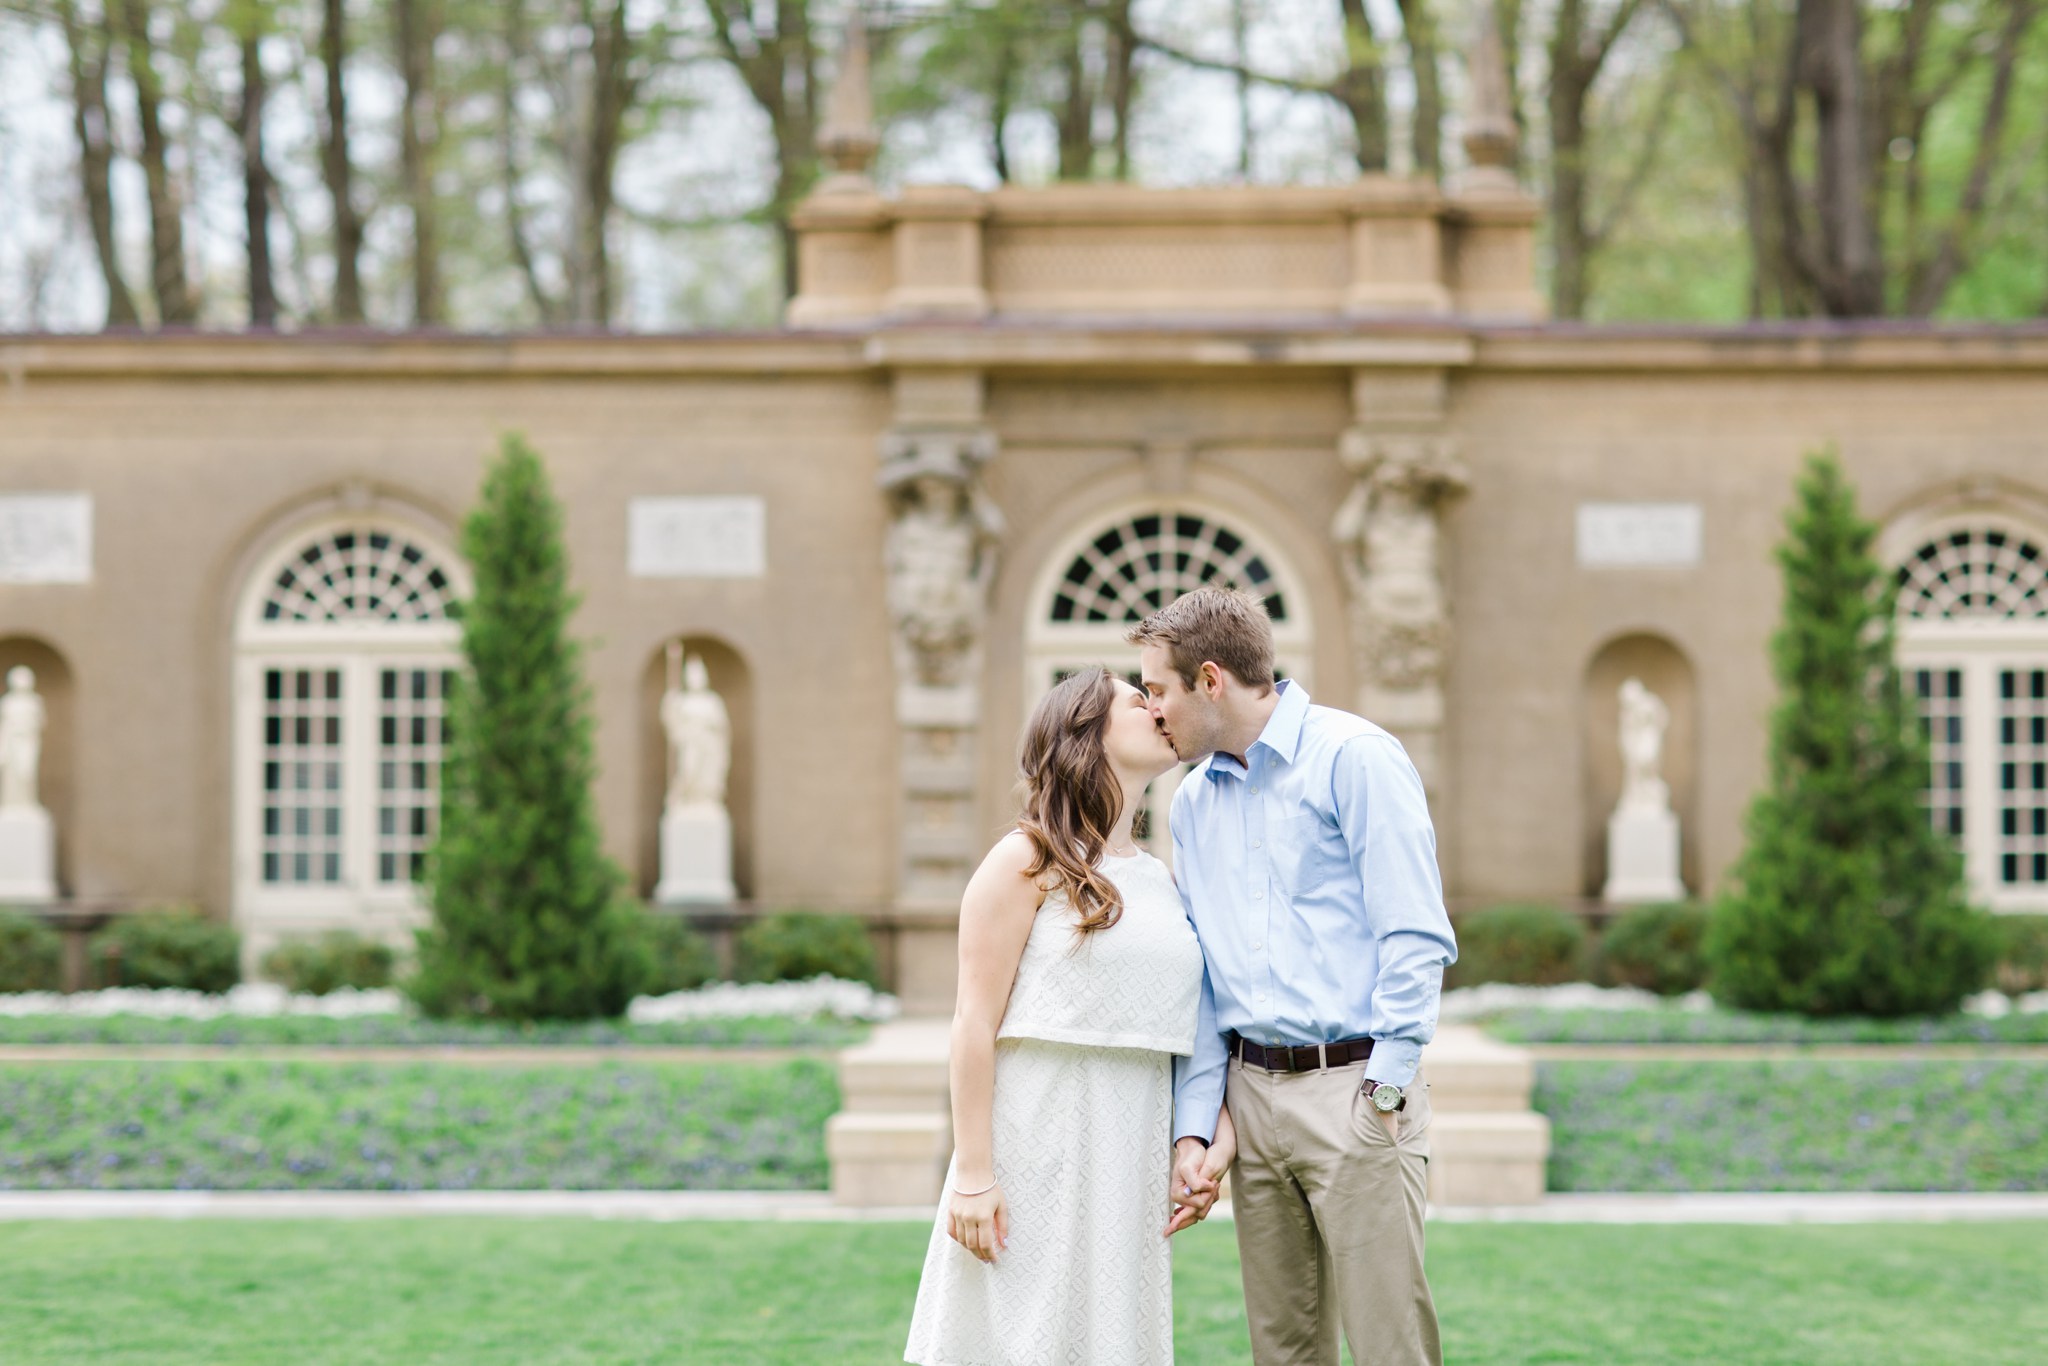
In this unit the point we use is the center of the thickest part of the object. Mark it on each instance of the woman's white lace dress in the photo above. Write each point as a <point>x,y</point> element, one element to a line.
<point>1083,1134</point>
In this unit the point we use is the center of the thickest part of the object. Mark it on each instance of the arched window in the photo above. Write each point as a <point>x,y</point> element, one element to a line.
<point>344,648</point>
<point>1973,644</point>
<point>1119,570</point>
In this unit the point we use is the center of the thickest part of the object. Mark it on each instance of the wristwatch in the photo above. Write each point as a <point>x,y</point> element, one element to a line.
<point>1386,1097</point>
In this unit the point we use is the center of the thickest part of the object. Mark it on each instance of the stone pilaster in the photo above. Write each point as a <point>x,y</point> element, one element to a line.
<point>942,545</point>
<point>1406,469</point>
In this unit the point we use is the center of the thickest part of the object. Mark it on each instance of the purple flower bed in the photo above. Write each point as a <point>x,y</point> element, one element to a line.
<point>413,1126</point>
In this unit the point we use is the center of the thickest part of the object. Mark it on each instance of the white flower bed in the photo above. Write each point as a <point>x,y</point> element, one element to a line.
<point>1469,1003</point>
<point>722,1000</point>
<point>798,1000</point>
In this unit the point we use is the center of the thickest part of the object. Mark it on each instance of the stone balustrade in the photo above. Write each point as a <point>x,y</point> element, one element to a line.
<point>1378,247</point>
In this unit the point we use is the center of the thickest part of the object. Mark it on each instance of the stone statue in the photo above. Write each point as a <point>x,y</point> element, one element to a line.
<point>1387,538</point>
<point>940,560</point>
<point>21,741</point>
<point>1644,718</point>
<point>699,733</point>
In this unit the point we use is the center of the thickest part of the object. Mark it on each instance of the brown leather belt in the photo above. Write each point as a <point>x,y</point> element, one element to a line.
<point>1300,1057</point>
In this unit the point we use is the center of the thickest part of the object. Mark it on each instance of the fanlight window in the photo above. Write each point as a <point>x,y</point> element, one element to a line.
<point>1973,645</point>
<point>357,576</point>
<point>1139,565</point>
<point>1975,573</point>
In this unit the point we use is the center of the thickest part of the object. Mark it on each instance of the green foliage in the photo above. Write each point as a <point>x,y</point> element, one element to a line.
<point>339,958</point>
<point>817,1033</point>
<point>1535,945</point>
<point>1669,1025</point>
<point>1845,900</point>
<point>791,946</point>
<point>2022,954</point>
<point>31,954</point>
<point>679,958</point>
<point>1775,1124</point>
<point>1657,948</point>
<point>174,947</point>
<point>527,920</point>
<point>247,1124</point>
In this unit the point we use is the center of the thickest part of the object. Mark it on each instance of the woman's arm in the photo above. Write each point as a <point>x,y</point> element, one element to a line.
<point>995,921</point>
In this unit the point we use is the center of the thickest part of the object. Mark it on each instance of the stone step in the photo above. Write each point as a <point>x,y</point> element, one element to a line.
<point>884,1159</point>
<point>1480,1159</point>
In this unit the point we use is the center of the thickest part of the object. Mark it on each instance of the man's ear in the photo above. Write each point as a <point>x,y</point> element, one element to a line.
<point>1211,678</point>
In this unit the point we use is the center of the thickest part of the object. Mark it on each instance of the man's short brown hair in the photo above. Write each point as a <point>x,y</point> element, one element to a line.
<point>1225,626</point>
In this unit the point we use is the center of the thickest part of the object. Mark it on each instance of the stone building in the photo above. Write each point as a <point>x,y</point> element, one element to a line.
<point>997,427</point>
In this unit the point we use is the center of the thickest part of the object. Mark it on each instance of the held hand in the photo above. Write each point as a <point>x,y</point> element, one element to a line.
<point>1194,1188</point>
<point>979,1223</point>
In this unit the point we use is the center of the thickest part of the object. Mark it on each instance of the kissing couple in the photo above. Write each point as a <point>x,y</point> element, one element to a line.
<point>1125,1035</point>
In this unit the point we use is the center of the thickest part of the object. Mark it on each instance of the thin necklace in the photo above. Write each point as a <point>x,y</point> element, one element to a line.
<point>1118,853</point>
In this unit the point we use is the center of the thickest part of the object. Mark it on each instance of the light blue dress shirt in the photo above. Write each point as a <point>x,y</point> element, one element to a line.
<point>1310,874</point>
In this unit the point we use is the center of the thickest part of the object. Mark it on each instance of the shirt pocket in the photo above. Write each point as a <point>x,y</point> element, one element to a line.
<point>1308,851</point>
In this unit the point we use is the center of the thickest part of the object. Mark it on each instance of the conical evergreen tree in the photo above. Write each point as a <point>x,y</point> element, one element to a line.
<point>1845,899</point>
<point>528,920</point>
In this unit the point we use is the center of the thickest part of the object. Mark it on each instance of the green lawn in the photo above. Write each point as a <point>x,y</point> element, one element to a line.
<point>485,1291</point>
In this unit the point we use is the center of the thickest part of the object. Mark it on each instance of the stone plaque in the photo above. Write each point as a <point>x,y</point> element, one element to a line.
<point>697,538</point>
<point>1623,535</point>
<point>46,538</point>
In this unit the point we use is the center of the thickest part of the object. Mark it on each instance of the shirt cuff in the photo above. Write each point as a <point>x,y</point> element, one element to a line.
<point>1394,1061</point>
<point>1190,1125</point>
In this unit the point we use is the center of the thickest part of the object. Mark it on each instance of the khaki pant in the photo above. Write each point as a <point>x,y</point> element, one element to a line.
<point>1329,1219</point>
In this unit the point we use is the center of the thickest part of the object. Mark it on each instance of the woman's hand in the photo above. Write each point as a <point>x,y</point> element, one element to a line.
<point>980,1223</point>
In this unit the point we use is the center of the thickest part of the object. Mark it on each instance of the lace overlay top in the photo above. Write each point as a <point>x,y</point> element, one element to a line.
<point>1136,984</point>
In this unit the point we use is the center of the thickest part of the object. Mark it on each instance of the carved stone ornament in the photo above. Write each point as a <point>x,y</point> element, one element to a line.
<point>941,549</point>
<point>1386,534</point>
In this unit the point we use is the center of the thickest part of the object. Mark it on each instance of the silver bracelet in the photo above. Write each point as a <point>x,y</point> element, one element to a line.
<point>983,1191</point>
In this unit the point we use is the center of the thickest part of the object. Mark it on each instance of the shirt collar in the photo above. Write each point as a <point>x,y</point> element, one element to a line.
<point>1282,735</point>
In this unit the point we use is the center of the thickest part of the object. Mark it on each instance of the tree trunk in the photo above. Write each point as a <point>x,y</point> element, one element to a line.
<point>1570,82</point>
<point>336,166</point>
<point>609,93</point>
<point>416,27</point>
<point>166,218</point>
<point>96,154</point>
<point>1418,26</point>
<point>1239,24</point>
<point>1361,89</point>
<point>1076,117</point>
<point>1848,269</point>
<point>255,183</point>
<point>1002,95</point>
<point>1122,81</point>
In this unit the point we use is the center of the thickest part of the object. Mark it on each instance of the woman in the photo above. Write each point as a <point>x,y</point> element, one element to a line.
<point>1079,977</point>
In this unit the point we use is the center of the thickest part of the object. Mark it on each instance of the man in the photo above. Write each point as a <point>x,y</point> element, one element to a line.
<point>1305,856</point>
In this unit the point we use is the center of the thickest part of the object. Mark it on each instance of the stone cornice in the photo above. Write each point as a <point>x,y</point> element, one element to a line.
<point>1092,346</point>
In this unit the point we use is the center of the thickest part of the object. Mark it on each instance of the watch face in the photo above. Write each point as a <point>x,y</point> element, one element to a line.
<point>1386,1097</point>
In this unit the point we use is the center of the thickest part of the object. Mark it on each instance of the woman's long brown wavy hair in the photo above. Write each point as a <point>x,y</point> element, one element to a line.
<point>1071,795</point>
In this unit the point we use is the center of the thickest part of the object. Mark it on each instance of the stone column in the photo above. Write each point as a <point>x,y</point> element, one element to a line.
<point>941,558</point>
<point>1406,469</point>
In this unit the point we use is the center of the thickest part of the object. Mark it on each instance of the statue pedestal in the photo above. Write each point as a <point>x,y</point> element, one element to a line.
<point>1642,856</point>
<point>696,855</point>
<point>28,856</point>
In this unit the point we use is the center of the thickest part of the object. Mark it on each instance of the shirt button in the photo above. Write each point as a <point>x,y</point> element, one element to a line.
<point>1255,790</point>
<point>1256,945</point>
<point>1255,844</point>
<point>1258,896</point>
